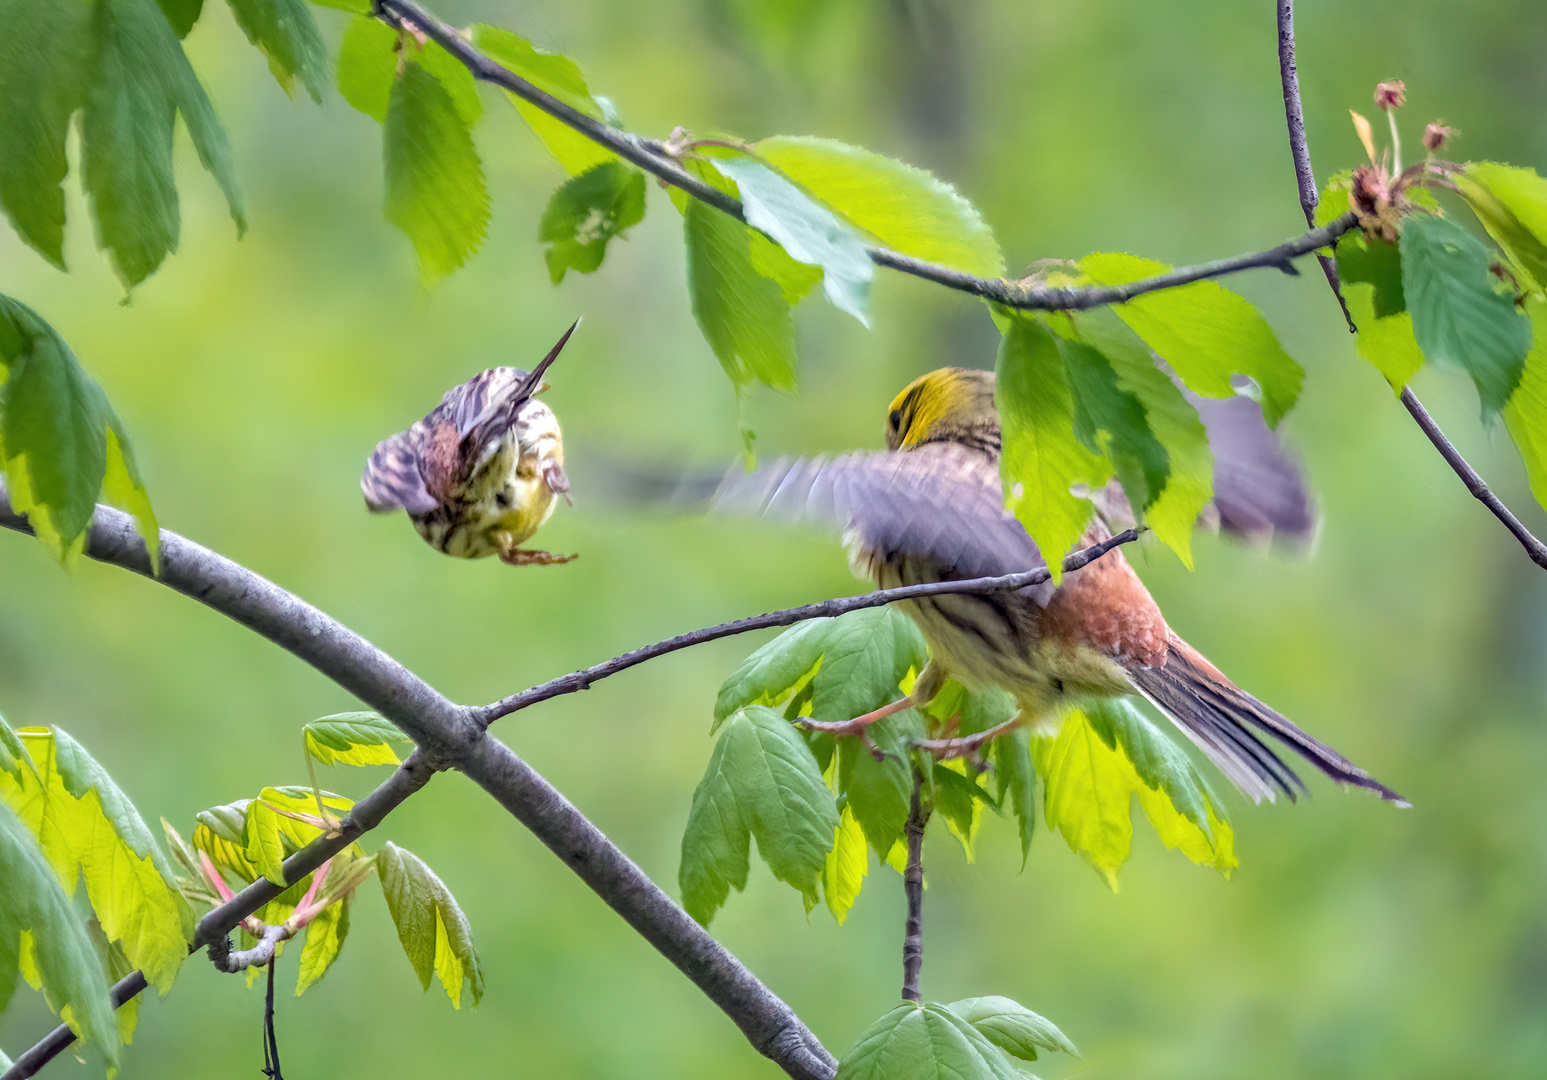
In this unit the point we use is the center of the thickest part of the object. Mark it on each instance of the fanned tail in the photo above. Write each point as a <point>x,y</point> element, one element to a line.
<point>1223,720</point>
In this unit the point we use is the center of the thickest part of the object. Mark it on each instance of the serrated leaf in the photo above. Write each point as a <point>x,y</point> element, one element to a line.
<point>879,792</point>
<point>1012,1027</point>
<point>367,66</point>
<point>588,211</point>
<point>1377,263</point>
<point>560,77</point>
<point>353,738</point>
<point>261,841</point>
<point>959,799</point>
<point>325,936</point>
<point>1512,205</point>
<point>1017,778</point>
<point>1526,414</point>
<point>1387,343</point>
<point>1110,420</point>
<point>761,782</point>
<point>904,208</point>
<point>1043,458</point>
<point>971,710</point>
<point>37,918</point>
<point>13,753</point>
<point>1087,790</point>
<point>925,1041</point>
<point>843,874</point>
<point>1458,316</point>
<point>435,934</point>
<point>435,185</point>
<point>1205,332</point>
<point>285,32</point>
<point>807,231</point>
<point>89,830</point>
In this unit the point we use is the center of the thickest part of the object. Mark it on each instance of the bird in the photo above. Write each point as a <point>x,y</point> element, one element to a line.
<point>483,471</point>
<point>930,508</point>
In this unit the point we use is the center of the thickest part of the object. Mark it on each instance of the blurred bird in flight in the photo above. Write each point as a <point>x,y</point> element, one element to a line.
<point>930,508</point>
<point>482,472</point>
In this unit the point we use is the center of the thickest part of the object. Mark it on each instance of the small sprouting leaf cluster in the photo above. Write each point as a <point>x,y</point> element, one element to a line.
<point>982,1038</point>
<point>816,806</point>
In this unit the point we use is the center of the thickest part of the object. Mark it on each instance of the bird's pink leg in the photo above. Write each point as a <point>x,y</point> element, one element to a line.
<point>858,725</point>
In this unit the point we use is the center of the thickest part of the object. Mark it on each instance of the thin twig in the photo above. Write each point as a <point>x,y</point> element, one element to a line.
<point>655,158</point>
<point>1535,549</point>
<point>913,888</point>
<point>231,961</point>
<point>825,609</point>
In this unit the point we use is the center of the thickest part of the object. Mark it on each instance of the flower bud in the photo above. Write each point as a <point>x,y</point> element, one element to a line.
<point>1435,134</point>
<point>1391,95</point>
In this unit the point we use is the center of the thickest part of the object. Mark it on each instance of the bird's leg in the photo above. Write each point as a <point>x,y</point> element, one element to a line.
<point>858,725</point>
<point>515,556</point>
<point>967,745</point>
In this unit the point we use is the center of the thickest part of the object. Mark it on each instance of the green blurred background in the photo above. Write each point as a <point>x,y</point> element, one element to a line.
<point>255,377</point>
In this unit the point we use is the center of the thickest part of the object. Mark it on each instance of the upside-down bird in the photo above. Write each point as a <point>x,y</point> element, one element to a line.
<point>482,472</point>
<point>930,508</point>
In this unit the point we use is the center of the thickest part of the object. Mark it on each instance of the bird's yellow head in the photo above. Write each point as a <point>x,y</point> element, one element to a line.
<point>947,405</point>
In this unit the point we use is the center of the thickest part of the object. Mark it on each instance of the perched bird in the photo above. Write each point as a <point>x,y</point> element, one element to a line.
<point>482,472</point>
<point>930,508</point>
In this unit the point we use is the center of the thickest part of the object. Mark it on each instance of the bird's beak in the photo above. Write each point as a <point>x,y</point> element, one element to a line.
<point>533,383</point>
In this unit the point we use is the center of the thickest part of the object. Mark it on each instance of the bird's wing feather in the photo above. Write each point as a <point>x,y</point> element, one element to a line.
<point>940,502</point>
<point>394,476</point>
<point>1259,488</point>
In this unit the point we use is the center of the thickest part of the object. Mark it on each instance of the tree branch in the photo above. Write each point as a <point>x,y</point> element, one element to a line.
<point>448,736</point>
<point>1534,548</point>
<point>655,158</point>
<point>825,609</point>
<point>913,889</point>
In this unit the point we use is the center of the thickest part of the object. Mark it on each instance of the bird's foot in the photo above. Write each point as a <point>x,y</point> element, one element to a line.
<point>524,557</point>
<point>858,725</point>
<point>967,746</point>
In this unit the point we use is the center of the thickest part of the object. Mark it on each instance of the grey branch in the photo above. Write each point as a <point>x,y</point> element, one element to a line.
<point>654,158</point>
<point>1534,548</point>
<point>231,960</point>
<point>913,889</point>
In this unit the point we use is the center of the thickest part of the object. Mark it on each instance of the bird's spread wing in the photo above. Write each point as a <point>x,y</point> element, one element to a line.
<point>485,406</point>
<point>394,476</point>
<point>1259,488</point>
<point>941,502</point>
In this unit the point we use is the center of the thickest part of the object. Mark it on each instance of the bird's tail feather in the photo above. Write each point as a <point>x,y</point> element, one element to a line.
<point>1225,722</point>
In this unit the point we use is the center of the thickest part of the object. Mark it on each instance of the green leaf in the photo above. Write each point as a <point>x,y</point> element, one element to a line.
<point>1387,343</point>
<point>324,941</point>
<point>182,14</point>
<point>743,315</point>
<point>924,1042</point>
<point>264,847</point>
<point>218,833</point>
<point>1512,205</point>
<point>13,752</point>
<point>808,232</point>
<point>904,208</point>
<point>42,935</point>
<point>586,212</point>
<point>435,934</point>
<point>1333,203</point>
<point>1018,778</point>
<point>1012,1027</point>
<point>359,7</point>
<point>959,798</point>
<point>285,32</point>
<point>843,874</point>
<point>1110,420</point>
<point>795,279</point>
<point>1205,332</point>
<point>1087,789</point>
<point>1174,423</point>
<point>560,77</point>
<point>1526,413</point>
<point>972,711</point>
<point>61,445</point>
<point>1377,263</point>
<point>1458,316</point>
<point>1042,455</point>
<point>353,738</point>
<point>880,791</point>
<point>761,781</point>
<point>141,82</point>
<point>367,66</point>
<point>435,184</point>
<point>88,829</point>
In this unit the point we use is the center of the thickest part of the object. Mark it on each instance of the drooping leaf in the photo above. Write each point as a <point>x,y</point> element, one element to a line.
<point>435,934</point>
<point>1459,317</point>
<point>1512,205</point>
<point>1017,778</point>
<point>1526,413</point>
<point>285,32</point>
<point>560,77</point>
<point>924,1041</point>
<point>218,833</point>
<point>89,830</point>
<point>879,791</point>
<point>808,232</point>
<point>1205,332</point>
<point>354,738</point>
<point>61,444</point>
<point>262,842</point>
<point>959,798</point>
<point>1012,1027</point>
<point>904,208</point>
<point>1387,343</point>
<point>1377,263</point>
<point>367,66</point>
<point>1043,458</point>
<point>182,14</point>
<point>970,711</point>
<point>325,934</point>
<point>435,188</point>
<point>843,874</point>
<point>1110,420</point>
<point>586,212</point>
<point>38,925</point>
<point>761,782</point>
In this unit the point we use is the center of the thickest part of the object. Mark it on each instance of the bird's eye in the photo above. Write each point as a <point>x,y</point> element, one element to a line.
<point>894,421</point>
<point>502,498</point>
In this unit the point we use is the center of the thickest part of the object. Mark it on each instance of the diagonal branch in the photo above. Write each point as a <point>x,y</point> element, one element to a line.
<point>655,158</point>
<point>826,609</point>
<point>1535,549</point>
